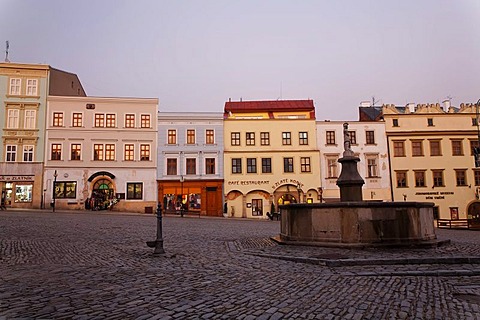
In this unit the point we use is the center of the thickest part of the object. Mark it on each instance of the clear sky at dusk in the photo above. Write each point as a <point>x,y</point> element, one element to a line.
<point>195,55</point>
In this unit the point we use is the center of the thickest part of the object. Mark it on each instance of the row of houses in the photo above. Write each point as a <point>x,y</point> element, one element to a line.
<point>63,148</point>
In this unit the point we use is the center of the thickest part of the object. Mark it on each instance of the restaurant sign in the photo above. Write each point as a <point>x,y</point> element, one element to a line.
<point>15,178</point>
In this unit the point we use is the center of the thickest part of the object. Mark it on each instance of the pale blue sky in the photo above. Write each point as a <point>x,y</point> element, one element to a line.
<point>194,55</point>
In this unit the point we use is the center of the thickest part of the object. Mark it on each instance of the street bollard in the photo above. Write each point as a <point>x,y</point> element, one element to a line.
<point>158,243</point>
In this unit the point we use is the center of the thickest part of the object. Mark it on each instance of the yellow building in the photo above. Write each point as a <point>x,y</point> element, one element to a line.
<point>270,156</point>
<point>431,157</point>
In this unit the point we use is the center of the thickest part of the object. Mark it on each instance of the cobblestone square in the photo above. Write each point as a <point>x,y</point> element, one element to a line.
<point>90,265</point>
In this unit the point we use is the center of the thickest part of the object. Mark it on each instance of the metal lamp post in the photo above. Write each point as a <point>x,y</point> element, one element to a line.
<point>476,150</point>
<point>299,189</point>
<point>55,175</point>
<point>181,198</point>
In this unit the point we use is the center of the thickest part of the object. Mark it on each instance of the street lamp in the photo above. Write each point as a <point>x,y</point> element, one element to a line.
<point>320,194</point>
<point>299,189</point>
<point>181,198</point>
<point>476,150</point>
<point>55,175</point>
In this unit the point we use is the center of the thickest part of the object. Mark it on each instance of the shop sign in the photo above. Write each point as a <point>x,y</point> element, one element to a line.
<point>286,181</point>
<point>247,182</point>
<point>435,194</point>
<point>13,178</point>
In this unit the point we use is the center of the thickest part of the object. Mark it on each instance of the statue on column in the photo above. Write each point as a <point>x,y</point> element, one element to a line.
<point>347,142</point>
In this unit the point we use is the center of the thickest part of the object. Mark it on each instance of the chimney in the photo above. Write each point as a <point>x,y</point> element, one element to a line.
<point>365,104</point>
<point>446,104</point>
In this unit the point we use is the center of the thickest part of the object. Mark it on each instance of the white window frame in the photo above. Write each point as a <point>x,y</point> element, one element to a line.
<point>10,153</point>
<point>30,119</point>
<point>368,158</point>
<point>32,87</point>
<point>124,151</point>
<point>15,86</point>
<point>31,152</point>
<point>334,160</point>
<point>13,118</point>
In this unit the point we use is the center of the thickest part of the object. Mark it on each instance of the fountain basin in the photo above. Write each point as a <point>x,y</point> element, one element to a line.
<point>358,223</point>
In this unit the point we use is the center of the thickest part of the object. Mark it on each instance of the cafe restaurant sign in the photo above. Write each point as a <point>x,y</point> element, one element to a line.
<point>14,178</point>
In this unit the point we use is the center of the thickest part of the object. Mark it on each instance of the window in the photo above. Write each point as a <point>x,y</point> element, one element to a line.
<point>473,144</point>
<point>58,119</point>
<point>266,165</point>
<point>235,138</point>
<point>370,137</point>
<point>457,148</point>
<point>145,121</point>
<point>190,136</point>
<point>251,165</point>
<point>31,87</point>
<point>461,177</point>
<point>99,120</point>
<point>27,153</point>
<point>437,178</point>
<point>332,167</point>
<point>209,137</point>
<point>417,148</point>
<point>419,178</point>
<point>330,137</point>
<point>13,118</point>
<point>401,179</point>
<point>430,122</point>
<point>110,152</point>
<point>65,190</point>
<point>435,148</point>
<point>236,165</point>
<point>286,138</point>
<point>305,164</point>
<point>303,138</point>
<point>15,86</point>
<point>56,151</point>
<point>129,152</point>
<point>395,122</point>
<point>172,136</point>
<point>134,190</point>
<point>98,152</point>
<point>145,152</point>
<point>257,206</point>
<point>191,165</point>
<point>287,165</point>
<point>398,149</point>
<point>372,166</point>
<point>209,165</point>
<point>23,192</point>
<point>129,121</point>
<point>353,137</point>
<point>171,166</point>
<point>476,175</point>
<point>111,120</point>
<point>11,154</point>
<point>250,138</point>
<point>77,120</point>
<point>75,151</point>
<point>30,119</point>
<point>265,138</point>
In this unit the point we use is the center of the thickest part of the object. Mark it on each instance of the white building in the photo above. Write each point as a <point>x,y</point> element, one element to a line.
<point>369,143</point>
<point>101,151</point>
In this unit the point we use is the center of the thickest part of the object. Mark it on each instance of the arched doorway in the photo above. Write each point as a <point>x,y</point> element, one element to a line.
<point>103,193</point>
<point>474,214</point>
<point>286,199</point>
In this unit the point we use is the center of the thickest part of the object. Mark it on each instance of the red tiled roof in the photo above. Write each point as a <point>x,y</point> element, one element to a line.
<point>265,106</point>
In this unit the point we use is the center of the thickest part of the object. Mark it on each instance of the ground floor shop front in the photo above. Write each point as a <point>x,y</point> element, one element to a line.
<point>203,197</point>
<point>118,189</point>
<point>21,185</point>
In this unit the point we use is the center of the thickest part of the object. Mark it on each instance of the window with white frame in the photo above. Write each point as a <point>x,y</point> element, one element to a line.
<point>209,165</point>
<point>332,167</point>
<point>209,136</point>
<point>32,87</point>
<point>191,165</point>
<point>99,120</point>
<point>98,152</point>
<point>172,136</point>
<point>30,117</point>
<point>11,154</point>
<point>57,119</point>
<point>171,166</point>
<point>145,121</point>
<point>144,152</point>
<point>12,118</point>
<point>15,86</point>
<point>77,119</point>
<point>129,121</point>
<point>129,153</point>
<point>75,151</point>
<point>191,136</point>
<point>56,153</point>
<point>111,120</point>
<point>305,164</point>
<point>372,166</point>
<point>109,152</point>
<point>27,153</point>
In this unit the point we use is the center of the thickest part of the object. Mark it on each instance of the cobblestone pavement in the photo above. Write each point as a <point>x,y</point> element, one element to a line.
<point>97,266</point>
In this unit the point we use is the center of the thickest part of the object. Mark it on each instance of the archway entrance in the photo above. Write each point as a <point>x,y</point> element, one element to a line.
<point>286,199</point>
<point>474,214</point>
<point>103,194</point>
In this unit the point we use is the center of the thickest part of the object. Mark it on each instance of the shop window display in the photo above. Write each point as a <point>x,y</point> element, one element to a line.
<point>23,193</point>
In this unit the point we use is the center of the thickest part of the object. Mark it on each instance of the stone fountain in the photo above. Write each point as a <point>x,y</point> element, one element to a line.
<point>353,222</point>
